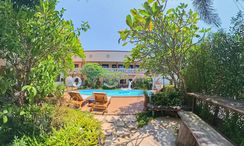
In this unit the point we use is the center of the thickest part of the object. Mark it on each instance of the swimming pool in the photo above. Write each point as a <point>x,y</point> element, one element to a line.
<point>114,92</point>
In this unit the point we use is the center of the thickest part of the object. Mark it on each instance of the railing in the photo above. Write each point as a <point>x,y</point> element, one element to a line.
<point>128,71</point>
<point>123,70</point>
<point>227,116</point>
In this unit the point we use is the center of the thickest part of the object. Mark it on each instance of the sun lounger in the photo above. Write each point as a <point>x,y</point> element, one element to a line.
<point>101,102</point>
<point>76,99</point>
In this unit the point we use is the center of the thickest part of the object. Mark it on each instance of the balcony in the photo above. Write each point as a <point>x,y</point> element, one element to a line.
<point>129,71</point>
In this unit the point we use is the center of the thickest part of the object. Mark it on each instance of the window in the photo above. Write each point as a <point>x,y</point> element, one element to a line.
<point>105,65</point>
<point>121,66</point>
<point>114,66</point>
<point>131,66</point>
<point>123,81</point>
<point>76,65</point>
<point>137,66</point>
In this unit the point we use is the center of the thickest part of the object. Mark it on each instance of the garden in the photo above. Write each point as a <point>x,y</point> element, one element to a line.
<point>205,69</point>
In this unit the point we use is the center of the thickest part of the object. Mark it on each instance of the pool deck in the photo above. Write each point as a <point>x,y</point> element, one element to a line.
<point>125,105</point>
<point>128,105</point>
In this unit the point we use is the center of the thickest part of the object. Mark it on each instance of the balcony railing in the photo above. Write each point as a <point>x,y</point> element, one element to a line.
<point>123,70</point>
<point>127,70</point>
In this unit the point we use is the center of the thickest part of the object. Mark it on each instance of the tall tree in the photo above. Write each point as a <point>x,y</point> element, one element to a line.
<point>27,38</point>
<point>162,39</point>
<point>92,73</point>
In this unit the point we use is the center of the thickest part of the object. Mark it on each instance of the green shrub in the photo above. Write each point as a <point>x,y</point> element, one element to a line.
<point>30,120</point>
<point>59,91</point>
<point>92,73</point>
<point>73,127</point>
<point>167,99</point>
<point>57,95</point>
<point>27,141</point>
<point>143,118</point>
<point>69,127</point>
<point>142,83</point>
<point>169,88</point>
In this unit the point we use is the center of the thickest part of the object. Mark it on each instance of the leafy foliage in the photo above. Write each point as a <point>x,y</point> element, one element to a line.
<point>162,39</point>
<point>167,99</point>
<point>142,83</point>
<point>37,44</point>
<point>143,118</point>
<point>31,37</point>
<point>30,4</point>
<point>92,72</point>
<point>30,120</point>
<point>42,80</point>
<point>217,66</point>
<point>111,79</point>
<point>69,127</point>
<point>73,127</point>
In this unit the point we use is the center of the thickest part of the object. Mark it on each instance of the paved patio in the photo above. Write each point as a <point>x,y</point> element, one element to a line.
<point>123,131</point>
<point>122,106</point>
<point>120,126</point>
<point>125,105</point>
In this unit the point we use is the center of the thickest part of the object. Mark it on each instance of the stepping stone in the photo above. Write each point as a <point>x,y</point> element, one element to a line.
<point>130,118</point>
<point>132,126</point>
<point>119,124</point>
<point>108,133</point>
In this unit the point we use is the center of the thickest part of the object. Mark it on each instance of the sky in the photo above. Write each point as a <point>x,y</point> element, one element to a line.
<point>107,17</point>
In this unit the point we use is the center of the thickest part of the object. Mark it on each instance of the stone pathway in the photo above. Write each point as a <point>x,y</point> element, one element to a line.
<point>123,131</point>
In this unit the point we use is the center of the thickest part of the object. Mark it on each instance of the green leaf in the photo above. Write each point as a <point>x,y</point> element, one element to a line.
<point>155,8</point>
<point>22,113</point>
<point>170,10</point>
<point>150,1</point>
<point>148,20</point>
<point>129,21</point>
<point>5,111</point>
<point>124,34</point>
<point>5,119</point>
<point>147,8</point>
<point>125,44</point>
<point>144,13</point>
<point>25,88</point>
<point>34,91</point>
<point>133,12</point>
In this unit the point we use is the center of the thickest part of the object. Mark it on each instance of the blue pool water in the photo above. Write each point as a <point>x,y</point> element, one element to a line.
<point>114,92</point>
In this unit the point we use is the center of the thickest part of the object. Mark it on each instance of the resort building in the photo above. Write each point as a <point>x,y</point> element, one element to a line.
<point>111,60</point>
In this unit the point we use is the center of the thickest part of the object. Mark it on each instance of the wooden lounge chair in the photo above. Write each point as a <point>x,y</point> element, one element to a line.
<point>101,102</point>
<point>76,99</point>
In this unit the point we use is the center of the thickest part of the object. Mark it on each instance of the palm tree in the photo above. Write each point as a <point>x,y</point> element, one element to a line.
<point>207,12</point>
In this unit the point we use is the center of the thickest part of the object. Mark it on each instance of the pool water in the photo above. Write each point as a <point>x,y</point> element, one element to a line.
<point>114,92</point>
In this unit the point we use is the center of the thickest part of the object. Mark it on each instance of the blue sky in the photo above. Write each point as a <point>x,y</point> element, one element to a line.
<point>107,17</point>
